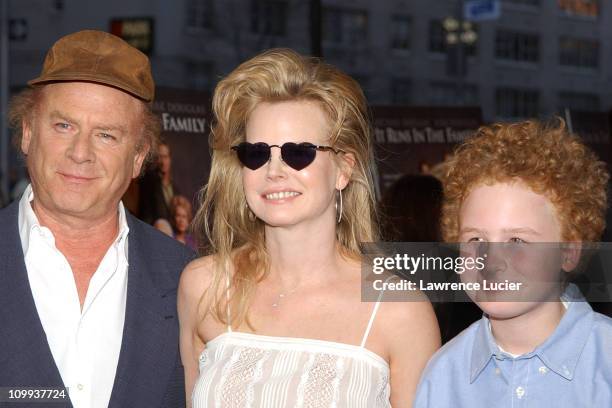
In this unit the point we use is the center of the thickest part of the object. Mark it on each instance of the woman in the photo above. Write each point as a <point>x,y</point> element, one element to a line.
<point>181,214</point>
<point>274,317</point>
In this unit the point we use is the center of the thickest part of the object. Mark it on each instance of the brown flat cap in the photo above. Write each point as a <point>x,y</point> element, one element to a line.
<point>96,56</point>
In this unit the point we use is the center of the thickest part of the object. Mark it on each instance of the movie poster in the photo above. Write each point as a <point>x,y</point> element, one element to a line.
<point>411,140</point>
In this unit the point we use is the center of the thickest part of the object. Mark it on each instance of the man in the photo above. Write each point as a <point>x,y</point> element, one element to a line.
<point>157,188</point>
<point>87,292</point>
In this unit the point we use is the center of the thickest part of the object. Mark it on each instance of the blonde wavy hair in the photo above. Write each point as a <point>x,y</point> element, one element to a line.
<point>235,239</point>
<point>547,158</point>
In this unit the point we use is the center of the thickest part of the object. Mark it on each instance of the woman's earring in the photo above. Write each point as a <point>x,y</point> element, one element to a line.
<point>339,211</point>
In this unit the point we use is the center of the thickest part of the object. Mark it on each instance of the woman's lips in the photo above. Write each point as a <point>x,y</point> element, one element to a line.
<point>280,195</point>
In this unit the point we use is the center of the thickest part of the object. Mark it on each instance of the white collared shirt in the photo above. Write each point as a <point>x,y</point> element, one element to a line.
<point>85,343</point>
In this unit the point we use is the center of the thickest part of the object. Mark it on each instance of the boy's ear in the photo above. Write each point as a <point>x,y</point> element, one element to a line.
<point>571,256</point>
<point>346,163</point>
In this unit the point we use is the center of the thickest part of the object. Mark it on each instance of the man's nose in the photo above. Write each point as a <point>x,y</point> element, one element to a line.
<point>81,149</point>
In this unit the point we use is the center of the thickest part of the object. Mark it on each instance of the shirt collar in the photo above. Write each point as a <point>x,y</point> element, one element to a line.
<point>560,352</point>
<point>28,222</point>
<point>483,349</point>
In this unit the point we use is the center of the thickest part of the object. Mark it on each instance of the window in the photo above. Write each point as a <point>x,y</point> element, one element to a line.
<point>58,5</point>
<point>517,103</point>
<point>584,8</point>
<point>401,27</point>
<point>580,101</point>
<point>401,91</point>
<point>363,81</point>
<point>534,3</point>
<point>200,14</point>
<point>199,74</point>
<point>344,26</point>
<point>517,46</point>
<point>452,94</point>
<point>18,29</point>
<point>437,38</point>
<point>269,17</point>
<point>575,52</point>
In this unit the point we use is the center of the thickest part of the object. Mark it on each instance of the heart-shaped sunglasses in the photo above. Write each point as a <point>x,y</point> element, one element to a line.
<point>295,155</point>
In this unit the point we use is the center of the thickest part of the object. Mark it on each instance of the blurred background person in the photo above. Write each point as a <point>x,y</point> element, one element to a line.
<point>410,212</point>
<point>411,209</point>
<point>164,226</point>
<point>157,188</point>
<point>181,216</point>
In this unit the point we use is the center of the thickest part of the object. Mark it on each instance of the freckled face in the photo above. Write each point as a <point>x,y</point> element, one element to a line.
<point>81,148</point>
<point>278,194</point>
<point>523,227</point>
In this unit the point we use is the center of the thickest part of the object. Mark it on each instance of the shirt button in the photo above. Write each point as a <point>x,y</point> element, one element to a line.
<point>80,387</point>
<point>543,370</point>
<point>497,371</point>
<point>520,391</point>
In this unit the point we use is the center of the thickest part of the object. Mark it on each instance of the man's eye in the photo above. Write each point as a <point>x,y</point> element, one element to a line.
<point>107,136</point>
<point>475,239</point>
<point>62,126</point>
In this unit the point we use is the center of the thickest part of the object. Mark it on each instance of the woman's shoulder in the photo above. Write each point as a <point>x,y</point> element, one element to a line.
<point>197,276</point>
<point>400,321</point>
<point>411,313</point>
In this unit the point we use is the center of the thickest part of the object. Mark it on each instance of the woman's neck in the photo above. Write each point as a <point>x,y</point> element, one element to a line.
<point>300,252</point>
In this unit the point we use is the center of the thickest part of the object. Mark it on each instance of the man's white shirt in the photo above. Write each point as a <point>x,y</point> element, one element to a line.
<point>85,344</point>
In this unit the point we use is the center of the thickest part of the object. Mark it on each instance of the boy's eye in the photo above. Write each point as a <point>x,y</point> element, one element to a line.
<point>517,240</point>
<point>475,239</point>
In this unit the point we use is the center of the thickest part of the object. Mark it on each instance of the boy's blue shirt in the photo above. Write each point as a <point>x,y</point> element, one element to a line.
<point>572,368</point>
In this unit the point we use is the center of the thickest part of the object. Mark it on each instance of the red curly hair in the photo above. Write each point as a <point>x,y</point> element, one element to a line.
<point>547,158</point>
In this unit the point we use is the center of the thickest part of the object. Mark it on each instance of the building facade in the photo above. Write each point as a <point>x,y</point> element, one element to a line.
<point>537,58</point>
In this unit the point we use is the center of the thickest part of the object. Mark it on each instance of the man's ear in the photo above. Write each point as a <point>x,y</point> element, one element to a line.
<point>347,164</point>
<point>26,136</point>
<point>139,158</point>
<point>571,256</point>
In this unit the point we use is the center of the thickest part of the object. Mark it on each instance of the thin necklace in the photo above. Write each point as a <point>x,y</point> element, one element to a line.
<point>283,295</point>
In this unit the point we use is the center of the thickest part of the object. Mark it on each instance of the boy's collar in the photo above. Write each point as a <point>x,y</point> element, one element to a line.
<point>560,352</point>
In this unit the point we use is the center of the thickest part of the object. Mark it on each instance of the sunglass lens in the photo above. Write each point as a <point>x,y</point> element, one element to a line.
<point>298,156</point>
<point>254,155</point>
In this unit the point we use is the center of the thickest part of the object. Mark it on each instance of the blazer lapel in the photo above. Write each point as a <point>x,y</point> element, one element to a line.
<point>150,335</point>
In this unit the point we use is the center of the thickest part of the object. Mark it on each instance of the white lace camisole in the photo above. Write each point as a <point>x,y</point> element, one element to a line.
<point>239,370</point>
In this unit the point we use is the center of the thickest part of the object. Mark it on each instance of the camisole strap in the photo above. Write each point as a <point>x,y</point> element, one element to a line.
<point>227,302</point>
<point>371,322</point>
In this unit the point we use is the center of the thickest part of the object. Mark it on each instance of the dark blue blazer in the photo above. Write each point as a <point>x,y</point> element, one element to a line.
<point>149,371</point>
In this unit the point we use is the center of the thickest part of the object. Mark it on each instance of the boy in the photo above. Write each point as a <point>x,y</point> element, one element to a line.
<point>524,184</point>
